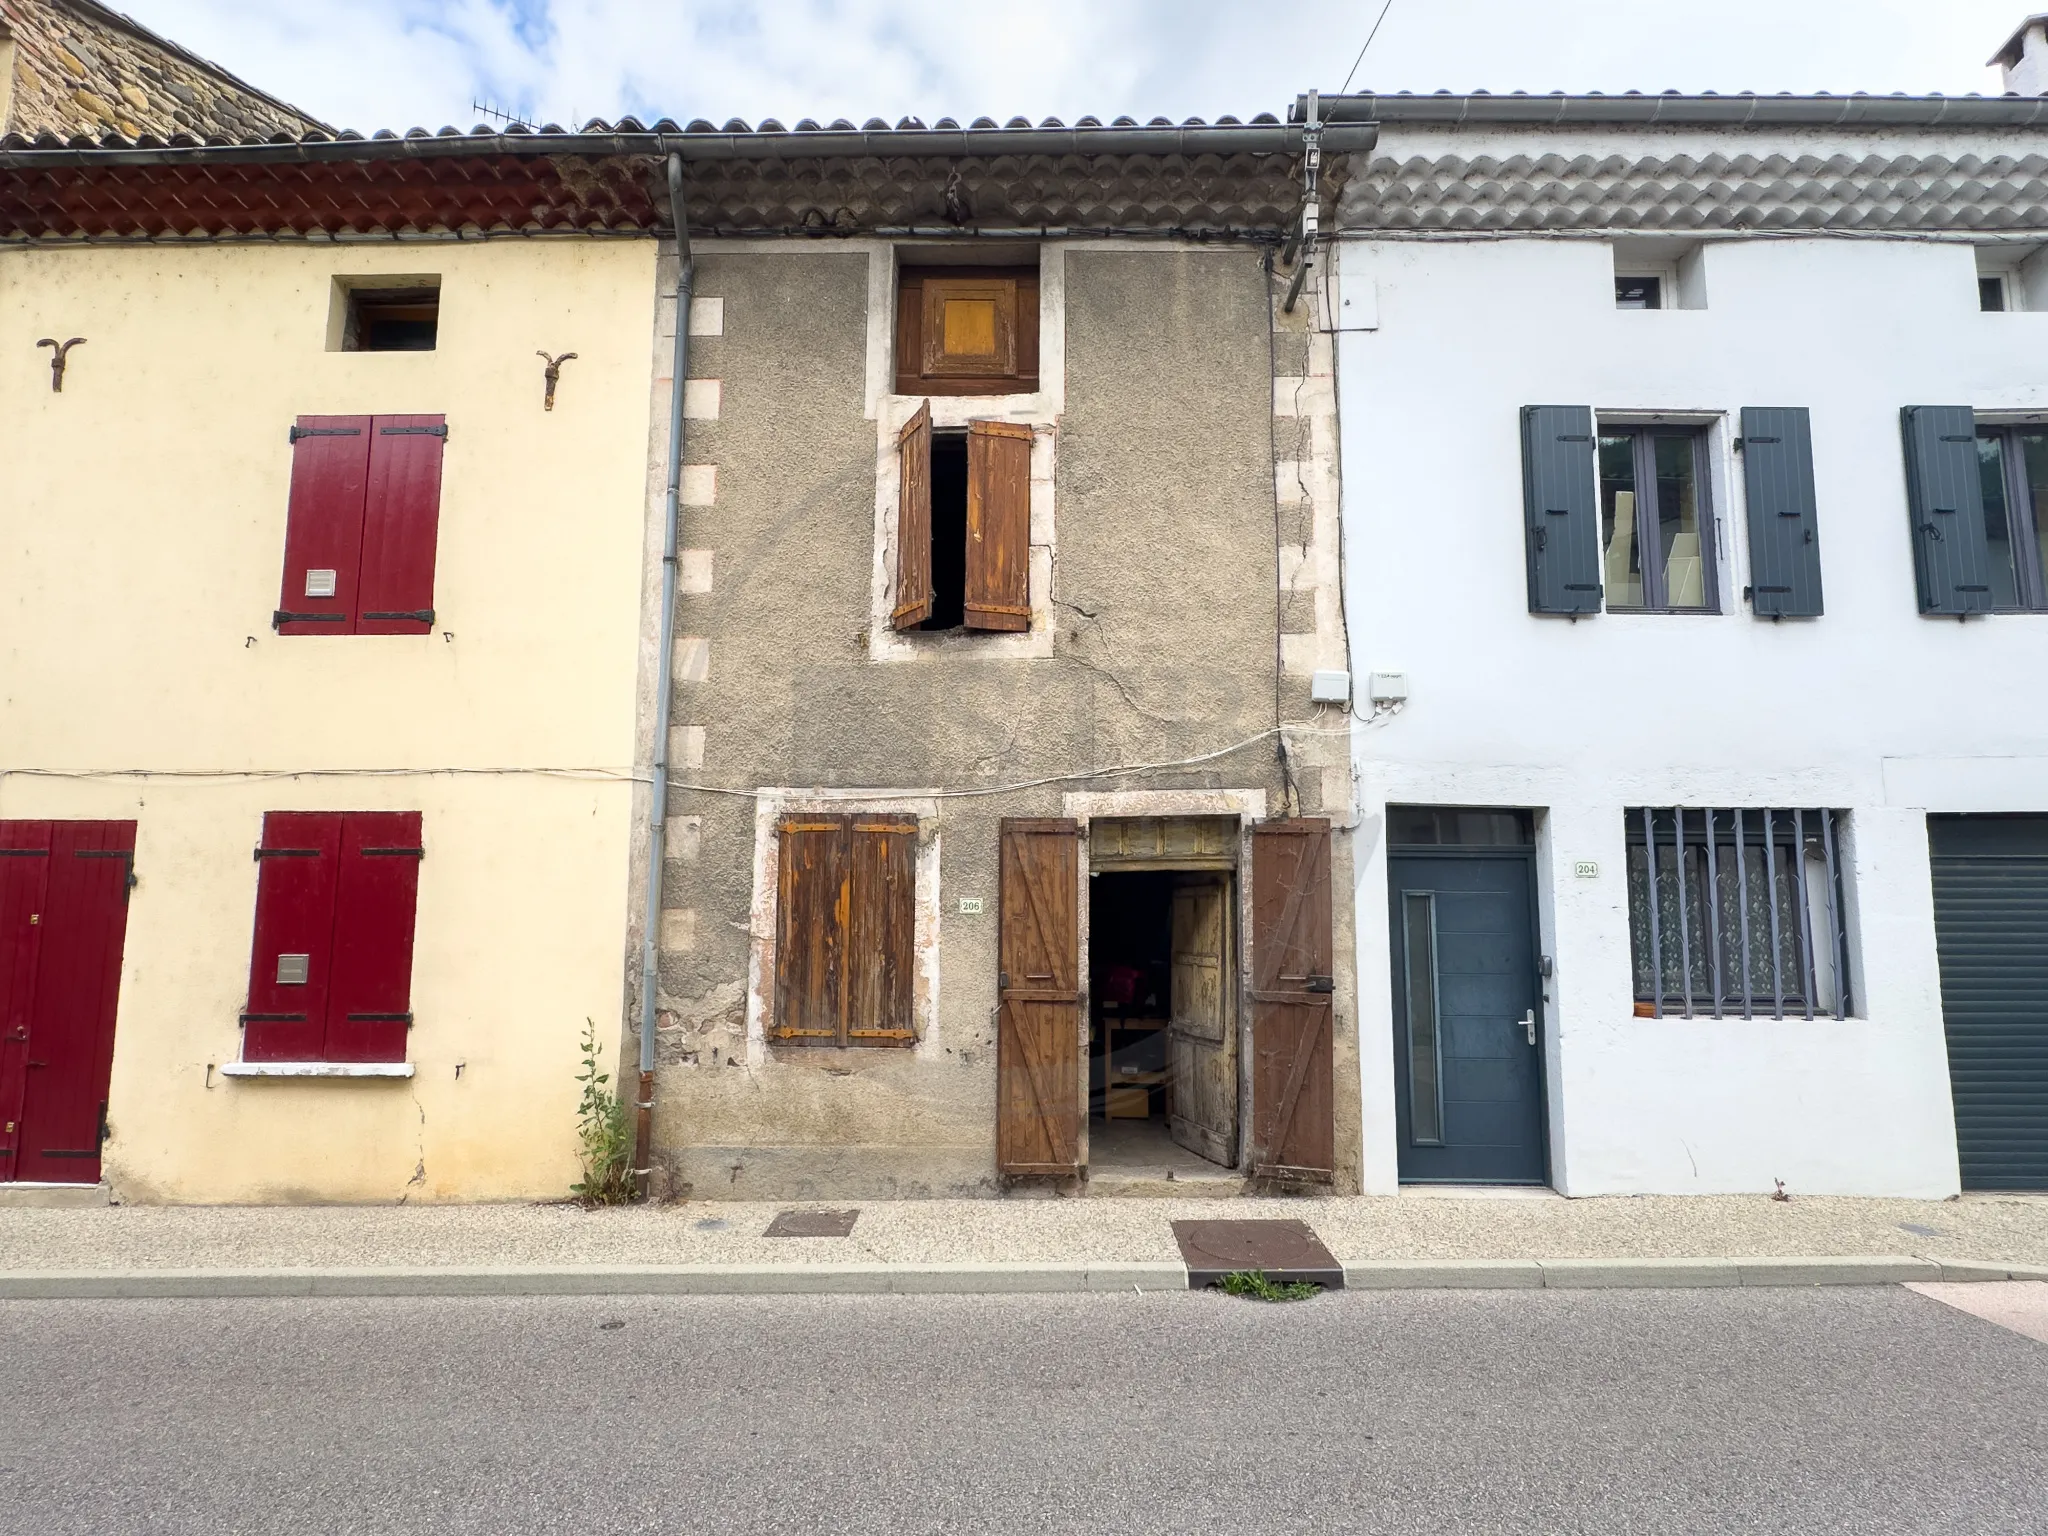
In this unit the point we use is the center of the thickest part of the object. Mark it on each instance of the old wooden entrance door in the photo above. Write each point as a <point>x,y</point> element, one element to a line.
<point>1202,1037</point>
<point>63,919</point>
<point>1039,1088</point>
<point>1292,1000</point>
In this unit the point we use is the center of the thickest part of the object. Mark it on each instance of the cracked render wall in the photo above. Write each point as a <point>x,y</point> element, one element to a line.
<point>1157,529</point>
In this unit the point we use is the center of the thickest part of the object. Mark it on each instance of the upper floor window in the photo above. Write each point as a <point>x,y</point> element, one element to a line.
<point>2012,463</point>
<point>967,331</point>
<point>1656,532</point>
<point>1639,293</point>
<point>362,525</point>
<point>846,922</point>
<point>385,314</point>
<point>963,526</point>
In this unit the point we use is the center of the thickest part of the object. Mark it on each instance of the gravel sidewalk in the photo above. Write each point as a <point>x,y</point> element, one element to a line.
<point>2009,1228</point>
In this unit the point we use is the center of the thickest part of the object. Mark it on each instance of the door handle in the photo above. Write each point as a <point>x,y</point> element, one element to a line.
<point>1529,1024</point>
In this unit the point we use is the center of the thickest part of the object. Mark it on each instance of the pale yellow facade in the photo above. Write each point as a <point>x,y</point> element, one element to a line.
<point>142,524</point>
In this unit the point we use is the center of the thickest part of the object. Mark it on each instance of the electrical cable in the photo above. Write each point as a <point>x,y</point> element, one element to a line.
<point>1375,32</point>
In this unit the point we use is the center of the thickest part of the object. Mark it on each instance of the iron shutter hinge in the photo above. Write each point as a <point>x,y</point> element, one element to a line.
<point>440,431</point>
<point>281,618</point>
<point>402,853</point>
<point>288,853</point>
<point>418,615</point>
<point>299,432</point>
<point>381,1018</point>
<point>1322,984</point>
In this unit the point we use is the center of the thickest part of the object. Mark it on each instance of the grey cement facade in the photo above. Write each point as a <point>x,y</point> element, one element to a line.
<point>1164,533</point>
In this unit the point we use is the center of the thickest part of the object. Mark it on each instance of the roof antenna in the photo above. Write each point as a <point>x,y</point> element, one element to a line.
<point>1375,32</point>
<point>509,119</point>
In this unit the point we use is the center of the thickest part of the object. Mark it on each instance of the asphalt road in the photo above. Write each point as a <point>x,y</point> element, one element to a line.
<point>1854,1410</point>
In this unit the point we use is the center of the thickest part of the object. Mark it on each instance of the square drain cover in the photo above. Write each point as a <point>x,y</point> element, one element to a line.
<point>1282,1250</point>
<point>812,1224</point>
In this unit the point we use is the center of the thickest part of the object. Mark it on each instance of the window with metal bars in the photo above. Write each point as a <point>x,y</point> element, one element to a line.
<point>1747,917</point>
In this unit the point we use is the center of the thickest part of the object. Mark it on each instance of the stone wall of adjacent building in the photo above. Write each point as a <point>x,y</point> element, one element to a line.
<point>72,67</point>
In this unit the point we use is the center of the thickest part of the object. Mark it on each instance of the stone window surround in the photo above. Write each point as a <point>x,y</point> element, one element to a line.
<point>770,805</point>
<point>1039,410</point>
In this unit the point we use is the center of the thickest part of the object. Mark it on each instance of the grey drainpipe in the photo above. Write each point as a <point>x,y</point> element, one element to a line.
<point>665,649</point>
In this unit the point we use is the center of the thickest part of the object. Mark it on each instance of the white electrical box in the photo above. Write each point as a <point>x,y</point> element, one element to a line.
<point>1389,687</point>
<point>1330,688</point>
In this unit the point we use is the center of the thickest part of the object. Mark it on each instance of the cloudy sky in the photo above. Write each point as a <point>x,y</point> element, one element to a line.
<point>395,63</point>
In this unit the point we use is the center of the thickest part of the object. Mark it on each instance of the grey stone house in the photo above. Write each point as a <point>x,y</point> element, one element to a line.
<point>1006,779</point>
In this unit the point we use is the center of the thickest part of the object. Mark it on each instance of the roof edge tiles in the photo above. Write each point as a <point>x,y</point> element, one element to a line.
<point>772,144</point>
<point>1673,109</point>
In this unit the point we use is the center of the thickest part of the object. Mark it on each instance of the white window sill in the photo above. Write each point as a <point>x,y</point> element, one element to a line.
<point>261,1069</point>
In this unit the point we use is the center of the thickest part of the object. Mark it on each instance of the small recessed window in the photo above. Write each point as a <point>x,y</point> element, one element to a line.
<point>949,531</point>
<point>1638,293</point>
<point>401,314</point>
<point>1991,295</point>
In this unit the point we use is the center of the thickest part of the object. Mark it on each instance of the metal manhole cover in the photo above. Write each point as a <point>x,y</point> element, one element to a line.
<point>812,1224</point>
<point>1281,1250</point>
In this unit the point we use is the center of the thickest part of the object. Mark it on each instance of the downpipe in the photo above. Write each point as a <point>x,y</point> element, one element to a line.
<point>665,650</point>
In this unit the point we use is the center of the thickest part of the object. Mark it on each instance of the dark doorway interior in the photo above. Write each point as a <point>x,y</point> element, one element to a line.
<point>949,531</point>
<point>1162,1023</point>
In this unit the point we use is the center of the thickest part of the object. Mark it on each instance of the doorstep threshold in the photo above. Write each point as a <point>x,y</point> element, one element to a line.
<point>1479,1192</point>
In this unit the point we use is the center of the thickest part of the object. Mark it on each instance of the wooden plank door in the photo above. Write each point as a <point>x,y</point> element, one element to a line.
<point>1039,1092</point>
<point>24,884</point>
<point>1202,1039</point>
<point>1292,1000</point>
<point>69,1050</point>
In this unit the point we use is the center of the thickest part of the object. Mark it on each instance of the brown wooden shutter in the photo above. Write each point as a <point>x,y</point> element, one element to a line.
<point>810,930</point>
<point>1294,1065</point>
<point>914,522</point>
<point>881,931</point>
<point>998,525</point>
<point>1038,1031</point>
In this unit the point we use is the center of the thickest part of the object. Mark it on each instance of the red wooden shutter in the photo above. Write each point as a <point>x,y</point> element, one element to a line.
<point>78,982</point>
<point>401,524</point>
<point>296,869</point>
<point>24,886</point>
<point>1038,1027</point>
<point>811,903</point>
<point>1294,1067</point>
<point>881,931</point>
<point>998,525</point>
<point>369,1003</point>
<point>323,532</point>
<point>914,522</point>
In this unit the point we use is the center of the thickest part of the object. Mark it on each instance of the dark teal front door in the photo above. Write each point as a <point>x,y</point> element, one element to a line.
<point>1468,1052</point>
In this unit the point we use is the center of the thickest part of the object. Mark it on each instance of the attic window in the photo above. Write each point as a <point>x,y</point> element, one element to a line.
<point>400,315</point>
<point>969,330</point>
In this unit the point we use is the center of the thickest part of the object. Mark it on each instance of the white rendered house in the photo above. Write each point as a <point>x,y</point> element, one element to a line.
<point>1695,515</point>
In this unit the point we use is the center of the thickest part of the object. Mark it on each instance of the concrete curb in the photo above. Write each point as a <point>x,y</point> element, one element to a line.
<point>983,1279</point>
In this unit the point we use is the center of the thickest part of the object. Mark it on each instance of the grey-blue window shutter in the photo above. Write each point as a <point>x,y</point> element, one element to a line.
<point>1945,500</point>
<point>1784,521</point>
<point>1561,509</point>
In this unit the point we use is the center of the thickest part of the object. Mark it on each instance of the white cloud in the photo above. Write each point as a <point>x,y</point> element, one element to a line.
<point>396,63</point>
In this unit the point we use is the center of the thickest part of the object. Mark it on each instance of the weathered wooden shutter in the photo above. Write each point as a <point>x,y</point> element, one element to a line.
<point>811,903</point>
<point>24,893</point>
<point>1561,509</point>
<point>1038,1029</point>
<point>369,995</point>
<point>1292,997</point>
<point>914,522</point>
<point>881,931</point>
<point>998,525</point>
<point>323,533</point>
<point>401,526</point>
<point>1945,500</point>
<point>1784,519</point>
<point>291,959</point>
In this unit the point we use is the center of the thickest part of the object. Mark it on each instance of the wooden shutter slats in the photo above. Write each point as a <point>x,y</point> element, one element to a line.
<point>1945,502</point>
<point>287,1021</point>
<point>1784,535</point>
<point>998,525</point>
<point>401,523</point>
<point>1293,1016</point>
<point>324,522</point>
<point>1561,509</point>
<point>914,522</point>
<point>846,930</point>
<point>1038,1029</point>
<point>369,1002</point>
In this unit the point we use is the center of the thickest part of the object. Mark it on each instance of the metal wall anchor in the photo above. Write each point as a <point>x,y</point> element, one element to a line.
<point>57,358</point>
<point>553,374</point>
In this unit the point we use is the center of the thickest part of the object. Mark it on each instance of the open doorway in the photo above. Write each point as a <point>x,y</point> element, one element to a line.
<point>1163,1055</point>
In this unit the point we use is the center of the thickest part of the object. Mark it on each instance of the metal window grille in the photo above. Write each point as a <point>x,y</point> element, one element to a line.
<point>1738,912</point>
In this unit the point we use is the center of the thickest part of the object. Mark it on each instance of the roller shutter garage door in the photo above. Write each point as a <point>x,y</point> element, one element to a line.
<point>1991,926</point>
